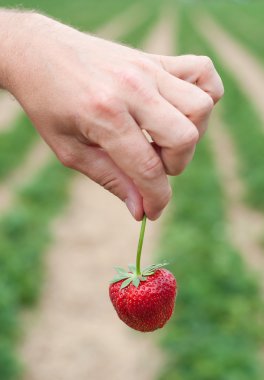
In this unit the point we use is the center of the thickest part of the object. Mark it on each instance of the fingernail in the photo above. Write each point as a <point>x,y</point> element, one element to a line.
<point>131,207</point>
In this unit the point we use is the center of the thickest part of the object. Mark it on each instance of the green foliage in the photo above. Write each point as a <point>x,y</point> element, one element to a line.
<point>25,231</point>
<point>244,21</point>
<point>14,144</point>
<point>215,332</point>
<point>241,120</point>
<point>84,14</point>
<point>134,38</point>
<point>217,329</point>
<point>246,129</point>
<point>24,236</point>
<point>9,367</point>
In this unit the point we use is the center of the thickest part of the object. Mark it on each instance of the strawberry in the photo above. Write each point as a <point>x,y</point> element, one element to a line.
<point>144,300</point>
<point>145,303</point>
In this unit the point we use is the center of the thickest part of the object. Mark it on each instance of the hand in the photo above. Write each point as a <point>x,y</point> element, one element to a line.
<point>91,99</point>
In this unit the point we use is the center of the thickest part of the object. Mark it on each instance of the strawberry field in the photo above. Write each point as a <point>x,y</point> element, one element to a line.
<point>56,229</point>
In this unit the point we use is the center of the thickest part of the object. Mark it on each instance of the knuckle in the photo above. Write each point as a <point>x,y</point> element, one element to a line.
<point>106,105</point>
<point>206,63</point>
<point>131,78</point>
<point>151,168</point>
<point>145,64</point>
<point>190,138</point>
<point>204,104</point>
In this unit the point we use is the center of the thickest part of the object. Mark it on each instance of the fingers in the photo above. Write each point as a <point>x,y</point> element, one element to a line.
<point>194,103</point>
<point>98,166</point>
<point>128,165</point>
<point>172,131</point>
<point>135,156</point>
<point>198,70</point>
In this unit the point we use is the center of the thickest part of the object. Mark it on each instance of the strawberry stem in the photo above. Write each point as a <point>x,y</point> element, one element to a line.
<point>140,244</point>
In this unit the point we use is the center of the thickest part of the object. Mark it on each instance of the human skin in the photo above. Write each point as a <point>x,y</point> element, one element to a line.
<point>91,99</point>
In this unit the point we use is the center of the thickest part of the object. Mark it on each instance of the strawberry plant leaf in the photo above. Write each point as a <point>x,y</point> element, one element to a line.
<point>120,270</point>
<point>151,269</point>
<point>148,273</point>
<point>126,283</point>
<point>118,278</point>
<point>136,282</point>
<point>132,268</point>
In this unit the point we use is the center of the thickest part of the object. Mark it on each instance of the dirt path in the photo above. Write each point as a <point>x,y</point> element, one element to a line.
<point>155,41</point>
<point>9,110</point>
<point>127,21</point>
<point>75,333</point>
<point>246,226</point>
<point>248,71</point>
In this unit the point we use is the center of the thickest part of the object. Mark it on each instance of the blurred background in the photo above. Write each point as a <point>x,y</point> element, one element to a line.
<point>61,235</point>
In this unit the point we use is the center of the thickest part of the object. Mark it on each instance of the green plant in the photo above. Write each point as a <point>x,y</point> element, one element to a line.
<point>216,331</point>
<point>244,22</point>
<point>241,119</point>
<point>25,230</point>
<point>15,142</point>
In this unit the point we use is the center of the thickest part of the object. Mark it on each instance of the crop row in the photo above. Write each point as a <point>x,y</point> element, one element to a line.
<point>244,21</point>
<point>245,127</point>
<point>25,231</point>
<point>84,14</point>
<point>15,142</point>
<point>216,331</point>
<point>24,236</point>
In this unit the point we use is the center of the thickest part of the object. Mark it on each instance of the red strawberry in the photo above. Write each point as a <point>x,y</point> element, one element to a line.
<point>144,302</point>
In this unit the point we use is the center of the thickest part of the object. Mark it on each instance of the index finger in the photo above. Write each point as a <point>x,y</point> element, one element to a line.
<point>136,157</point>
<point>198,70</point>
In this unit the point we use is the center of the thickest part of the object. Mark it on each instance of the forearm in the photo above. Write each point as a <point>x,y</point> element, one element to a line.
<point>22,33</point>
<point>11,28</point>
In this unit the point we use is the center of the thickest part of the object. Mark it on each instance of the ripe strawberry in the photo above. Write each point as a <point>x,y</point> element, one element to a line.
<point>144,302</point>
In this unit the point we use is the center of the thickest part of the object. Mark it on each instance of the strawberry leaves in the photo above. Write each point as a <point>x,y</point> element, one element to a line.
<point>126,283</point>
<point>151,269</point>
<point>132,276</point>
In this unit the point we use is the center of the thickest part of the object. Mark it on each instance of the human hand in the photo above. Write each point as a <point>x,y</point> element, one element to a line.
<point>90,99</point>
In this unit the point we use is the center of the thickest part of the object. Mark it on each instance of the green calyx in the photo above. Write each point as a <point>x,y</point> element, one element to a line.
<point>133,277</point>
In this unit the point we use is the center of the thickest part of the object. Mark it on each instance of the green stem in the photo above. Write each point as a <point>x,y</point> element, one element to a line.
<point>140,244</point>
